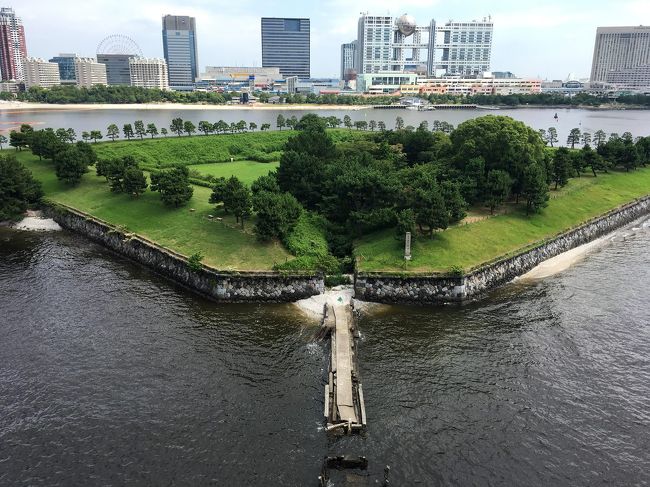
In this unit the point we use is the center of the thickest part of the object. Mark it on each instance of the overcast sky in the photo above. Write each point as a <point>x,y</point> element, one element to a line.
<point>548,39</point>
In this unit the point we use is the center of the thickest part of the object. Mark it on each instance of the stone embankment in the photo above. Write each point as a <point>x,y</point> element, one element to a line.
<point>217,285</point>
<point>405,288</point>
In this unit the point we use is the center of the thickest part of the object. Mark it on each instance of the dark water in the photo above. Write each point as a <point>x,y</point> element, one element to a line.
<point>110,375</point>
<point>635,121</point>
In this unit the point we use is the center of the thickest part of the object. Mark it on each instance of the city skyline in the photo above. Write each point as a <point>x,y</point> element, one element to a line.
<point>541,33</point>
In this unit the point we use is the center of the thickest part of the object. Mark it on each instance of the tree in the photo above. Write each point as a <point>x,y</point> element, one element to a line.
<point>535,189</point>
<point>71,135</point>
<point>237,199</point>
<point>140,131</point>
<point>627,136</point>
<point>594,160</point>
<point>372,125</point>
<point>218,191</point>
<point>586,138</point>
<point>424,125</point>
<point>205,127</point>
<point>561,166</point>
<point>399,123</point>
<point>241,125</point>
<point>280,121</point>
<point>347,121</point>
<point>115,169</point>
<point>405,223</point>
<point>277,214</point>
<point>163,131</point>
<point>3,140</point>
<point>177,127</point>
<point>62,135</point>
<point>44,143</point>
<point>543,135</point>
<point>574,137</point>
<point>95,135</point>
<point>252,126</point>
<point>112,132</point>
<point>497,188</point>
<point>265,126</point>
<point>577,163</point>
<point>361,125</point>
<point>173,185</point>
<point>85,136</point>
<point>381,125</point>
<point>600,137</point>
<point>189,128</point>
<point>552,136</point>
<point>135,182</point>
<point>268,183</point>
<point>153,130</point>
<point>18,140</point>
<point>18,189</point>
<point>128,131</point>
<point>70,165</point>
<point>292,122</point>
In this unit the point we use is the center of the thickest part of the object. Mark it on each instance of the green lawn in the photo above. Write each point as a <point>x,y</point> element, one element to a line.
<point>470,245</point>
<point>246,171</point>
<point>223,243</point>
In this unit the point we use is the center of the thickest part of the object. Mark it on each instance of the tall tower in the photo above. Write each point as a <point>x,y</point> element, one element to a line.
<point>179,47</point>
<point>13,49</point>
<point>286,45</point>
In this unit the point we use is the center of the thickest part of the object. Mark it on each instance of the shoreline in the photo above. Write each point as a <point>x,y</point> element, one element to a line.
<point>19,106</point>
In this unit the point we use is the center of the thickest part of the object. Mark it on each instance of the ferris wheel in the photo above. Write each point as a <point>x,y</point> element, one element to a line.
<point>119,44</point>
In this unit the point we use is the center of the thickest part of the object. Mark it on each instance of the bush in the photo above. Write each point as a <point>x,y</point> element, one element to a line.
<point>307,236</point>
<point>194,261</point>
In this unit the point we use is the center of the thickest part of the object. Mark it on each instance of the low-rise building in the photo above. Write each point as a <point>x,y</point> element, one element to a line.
<point>384,82</point>
<point>39,72</point>
<point>89,72</point>
<point>478,86</point>
<point>237,77</point>
<point>149,73</point>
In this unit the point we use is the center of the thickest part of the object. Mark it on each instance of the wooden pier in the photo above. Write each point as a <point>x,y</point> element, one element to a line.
<point>344,406</point>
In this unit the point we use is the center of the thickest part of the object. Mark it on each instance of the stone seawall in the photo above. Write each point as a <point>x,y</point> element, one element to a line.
<point>217,285</point>
<point>404,288</point>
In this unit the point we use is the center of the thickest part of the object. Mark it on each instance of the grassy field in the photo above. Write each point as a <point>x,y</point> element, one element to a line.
<point>224,245</point>
<point>469,245</point>
<point>246,171</point>
<point>205,149</point>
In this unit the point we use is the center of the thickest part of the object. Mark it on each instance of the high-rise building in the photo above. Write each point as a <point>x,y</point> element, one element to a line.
<point>149,73</point>
<point>179,47</point>
<point>13,48</point>
<point>66,67</point>
<point>286,45</point>
<point>622,56</point>
<point>348,60</point>
<point>117,68</point>
<point>39,72</point>
<point>399,45</point>
<point>89,72</point>
<point>466,48</point>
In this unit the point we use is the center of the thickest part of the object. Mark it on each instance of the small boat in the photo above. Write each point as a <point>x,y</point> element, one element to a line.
<point>556,117</point>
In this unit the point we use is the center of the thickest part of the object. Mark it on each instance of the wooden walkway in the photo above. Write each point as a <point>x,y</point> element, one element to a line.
<point>344,405</point>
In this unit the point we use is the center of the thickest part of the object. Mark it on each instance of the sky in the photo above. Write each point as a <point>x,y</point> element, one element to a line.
<point>549,39</point>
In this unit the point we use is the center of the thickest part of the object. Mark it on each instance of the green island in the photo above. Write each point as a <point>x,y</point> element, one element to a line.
<point>338,200</point>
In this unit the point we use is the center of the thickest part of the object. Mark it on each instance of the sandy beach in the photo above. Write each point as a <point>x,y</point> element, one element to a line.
<point>18,105</point>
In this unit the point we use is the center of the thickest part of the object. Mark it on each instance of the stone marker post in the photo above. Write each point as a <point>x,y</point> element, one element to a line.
<point>407,246</point>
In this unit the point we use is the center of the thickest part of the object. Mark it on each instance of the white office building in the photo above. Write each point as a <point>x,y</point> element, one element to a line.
<point>149,73</point>
<point>622,56</point>
<point>89,72</point>
<point>39,72</point>
<point>388,44</point>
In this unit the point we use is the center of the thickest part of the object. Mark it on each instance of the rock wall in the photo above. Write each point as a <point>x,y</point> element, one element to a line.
<point>402,288</point>
<point>220,286</point>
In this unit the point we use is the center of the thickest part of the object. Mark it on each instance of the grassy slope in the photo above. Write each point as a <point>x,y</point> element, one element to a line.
<point>246,171</point>
<point>203,149</point>
<point>470,245</point>
<point>224,245</point>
